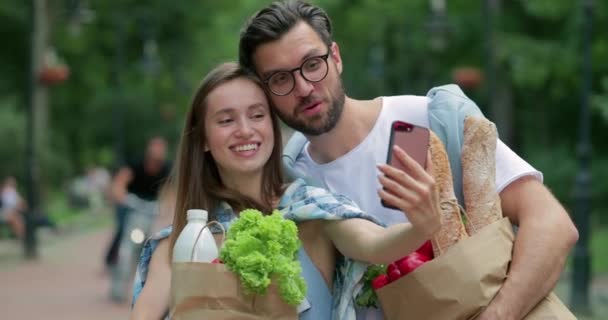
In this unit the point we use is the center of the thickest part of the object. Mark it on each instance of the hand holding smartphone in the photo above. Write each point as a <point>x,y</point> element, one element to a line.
<point>414,140</point>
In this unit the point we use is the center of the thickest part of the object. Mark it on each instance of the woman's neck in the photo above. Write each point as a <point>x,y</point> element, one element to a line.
<point>248,185</point>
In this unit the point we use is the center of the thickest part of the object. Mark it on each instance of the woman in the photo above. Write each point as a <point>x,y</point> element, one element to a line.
<point>229,160</point>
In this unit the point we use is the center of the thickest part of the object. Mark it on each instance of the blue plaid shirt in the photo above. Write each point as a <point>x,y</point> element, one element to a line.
<point>300,202</point>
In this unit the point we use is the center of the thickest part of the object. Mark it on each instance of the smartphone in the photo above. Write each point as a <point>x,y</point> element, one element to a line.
<point>414,140</point>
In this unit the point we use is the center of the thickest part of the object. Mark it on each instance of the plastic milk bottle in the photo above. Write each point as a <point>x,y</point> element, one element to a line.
<point>206,249</point>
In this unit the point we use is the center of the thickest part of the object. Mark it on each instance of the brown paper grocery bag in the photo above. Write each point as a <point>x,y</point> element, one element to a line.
<point>460,283</point>
<point>550,308</point>
<point>457,284</point>
<point>211,291</point>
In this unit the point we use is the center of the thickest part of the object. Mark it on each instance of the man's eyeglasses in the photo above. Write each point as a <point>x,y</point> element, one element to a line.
<point>313,69</point>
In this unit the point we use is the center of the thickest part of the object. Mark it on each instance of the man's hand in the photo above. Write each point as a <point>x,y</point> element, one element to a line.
<point>493,313</point>
<point>545,237</point>
<point>119,185</point>
<point>413,191</point>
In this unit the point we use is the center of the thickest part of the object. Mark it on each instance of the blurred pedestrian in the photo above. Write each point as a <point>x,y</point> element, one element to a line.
<point>12,206</point>
<point>143,179</point>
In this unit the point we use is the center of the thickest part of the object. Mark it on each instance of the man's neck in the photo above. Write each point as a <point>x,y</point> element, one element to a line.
<point>356,122</point>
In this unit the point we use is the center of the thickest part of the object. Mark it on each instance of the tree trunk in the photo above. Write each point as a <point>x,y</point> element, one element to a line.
<point>38,108</point>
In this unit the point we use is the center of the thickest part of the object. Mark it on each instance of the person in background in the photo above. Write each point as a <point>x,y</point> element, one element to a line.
<point>12,206</point>
<point>143,179</point>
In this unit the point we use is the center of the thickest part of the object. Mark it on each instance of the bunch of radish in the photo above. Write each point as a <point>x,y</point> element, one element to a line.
<point>404,265</point>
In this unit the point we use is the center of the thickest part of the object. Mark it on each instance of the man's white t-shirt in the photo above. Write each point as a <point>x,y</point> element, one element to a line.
<point>355,174</point>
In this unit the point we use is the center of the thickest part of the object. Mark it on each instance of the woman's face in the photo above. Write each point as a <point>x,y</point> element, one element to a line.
<point>239,128</point>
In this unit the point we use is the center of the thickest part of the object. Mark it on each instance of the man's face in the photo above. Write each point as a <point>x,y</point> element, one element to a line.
<point>312,108</point>
<point>156,155</point>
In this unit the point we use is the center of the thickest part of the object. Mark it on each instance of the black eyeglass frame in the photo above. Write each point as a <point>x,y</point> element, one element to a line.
<point>323,57</point>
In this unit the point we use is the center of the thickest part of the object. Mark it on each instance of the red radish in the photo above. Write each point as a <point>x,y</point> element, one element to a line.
<point>217,260</point>
<point>420,256</point>
<point>394,275</point>
<point>426,249</point>
<point>380,281</point>
<point>411,262</point>
<point>391,267</point>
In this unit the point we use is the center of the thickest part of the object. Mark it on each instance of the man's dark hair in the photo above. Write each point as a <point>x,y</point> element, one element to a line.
<point>272,22</point>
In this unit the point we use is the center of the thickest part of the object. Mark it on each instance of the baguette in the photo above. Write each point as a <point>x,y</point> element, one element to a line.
<point>452,229</point>
<point>478,156</point>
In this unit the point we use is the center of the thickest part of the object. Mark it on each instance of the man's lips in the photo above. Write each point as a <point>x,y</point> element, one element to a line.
<point>310,107</point>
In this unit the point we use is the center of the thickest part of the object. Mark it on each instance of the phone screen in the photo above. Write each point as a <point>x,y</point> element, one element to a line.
<point>414,140</point>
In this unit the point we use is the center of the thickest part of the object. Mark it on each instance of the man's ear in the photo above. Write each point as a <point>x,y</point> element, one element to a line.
<point>205,147</point>
<point>335,56</point>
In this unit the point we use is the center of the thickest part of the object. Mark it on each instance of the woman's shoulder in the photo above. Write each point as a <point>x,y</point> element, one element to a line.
<point>150,246</point>
<point>158,240</point>
<point>162,233</point>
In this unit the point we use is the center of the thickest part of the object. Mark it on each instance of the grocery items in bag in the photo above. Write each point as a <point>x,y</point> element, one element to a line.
<point>468,269</point>
<point>232,286</point>
<point>478,155</point>
<point>195,243</point>
<point>452,228</point>
<point>261,249</point>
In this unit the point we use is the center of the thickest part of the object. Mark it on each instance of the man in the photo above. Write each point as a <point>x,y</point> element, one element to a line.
<point>143,179</point>
<point>289,46</point>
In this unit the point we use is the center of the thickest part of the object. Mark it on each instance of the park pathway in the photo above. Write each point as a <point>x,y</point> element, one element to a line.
<point>67,282</point>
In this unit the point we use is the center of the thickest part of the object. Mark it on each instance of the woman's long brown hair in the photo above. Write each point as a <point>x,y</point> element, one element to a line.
<point>195,177</point>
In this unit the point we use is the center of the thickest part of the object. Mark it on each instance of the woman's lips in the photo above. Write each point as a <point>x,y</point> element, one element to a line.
<point>246,150</point>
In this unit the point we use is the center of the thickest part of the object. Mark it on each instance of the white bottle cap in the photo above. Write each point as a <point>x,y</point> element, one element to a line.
<point>197,214</point>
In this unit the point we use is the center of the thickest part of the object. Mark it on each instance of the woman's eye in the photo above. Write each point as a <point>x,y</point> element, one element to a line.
<point>225,121</point>
<point>258,116</point>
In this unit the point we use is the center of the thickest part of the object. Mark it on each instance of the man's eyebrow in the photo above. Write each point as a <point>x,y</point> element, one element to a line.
<point>311,53</point>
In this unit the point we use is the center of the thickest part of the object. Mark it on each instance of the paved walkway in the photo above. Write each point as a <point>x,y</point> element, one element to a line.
<point>67,282</point>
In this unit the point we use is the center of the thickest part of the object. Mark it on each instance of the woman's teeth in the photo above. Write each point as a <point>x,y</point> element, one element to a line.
<point>246,147</point>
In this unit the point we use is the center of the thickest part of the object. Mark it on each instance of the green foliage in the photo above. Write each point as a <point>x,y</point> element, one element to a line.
<point>599,239</point>
<point>560,167</point>
<point>12,138</point>
<point>548,9</point>
<point>120,91</point>
<point>367,296</point>
<point>600,101</point>
<point>258,248</point>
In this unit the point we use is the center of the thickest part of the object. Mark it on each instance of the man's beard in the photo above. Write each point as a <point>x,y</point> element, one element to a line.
<point>309,127</point>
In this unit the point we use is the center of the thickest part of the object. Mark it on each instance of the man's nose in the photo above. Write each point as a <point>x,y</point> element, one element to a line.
<point>303,87</point>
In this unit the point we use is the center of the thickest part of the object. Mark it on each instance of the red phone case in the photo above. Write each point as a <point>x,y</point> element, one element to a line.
<point>414,140</point>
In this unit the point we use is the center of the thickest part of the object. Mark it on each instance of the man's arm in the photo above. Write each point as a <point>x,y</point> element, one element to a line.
<point>118,190</point>
<point>414,192</point>
<point>545,237</point>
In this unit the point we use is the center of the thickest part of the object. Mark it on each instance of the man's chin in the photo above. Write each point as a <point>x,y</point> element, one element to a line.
<point>314,130</point>
<point>313,127</point>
